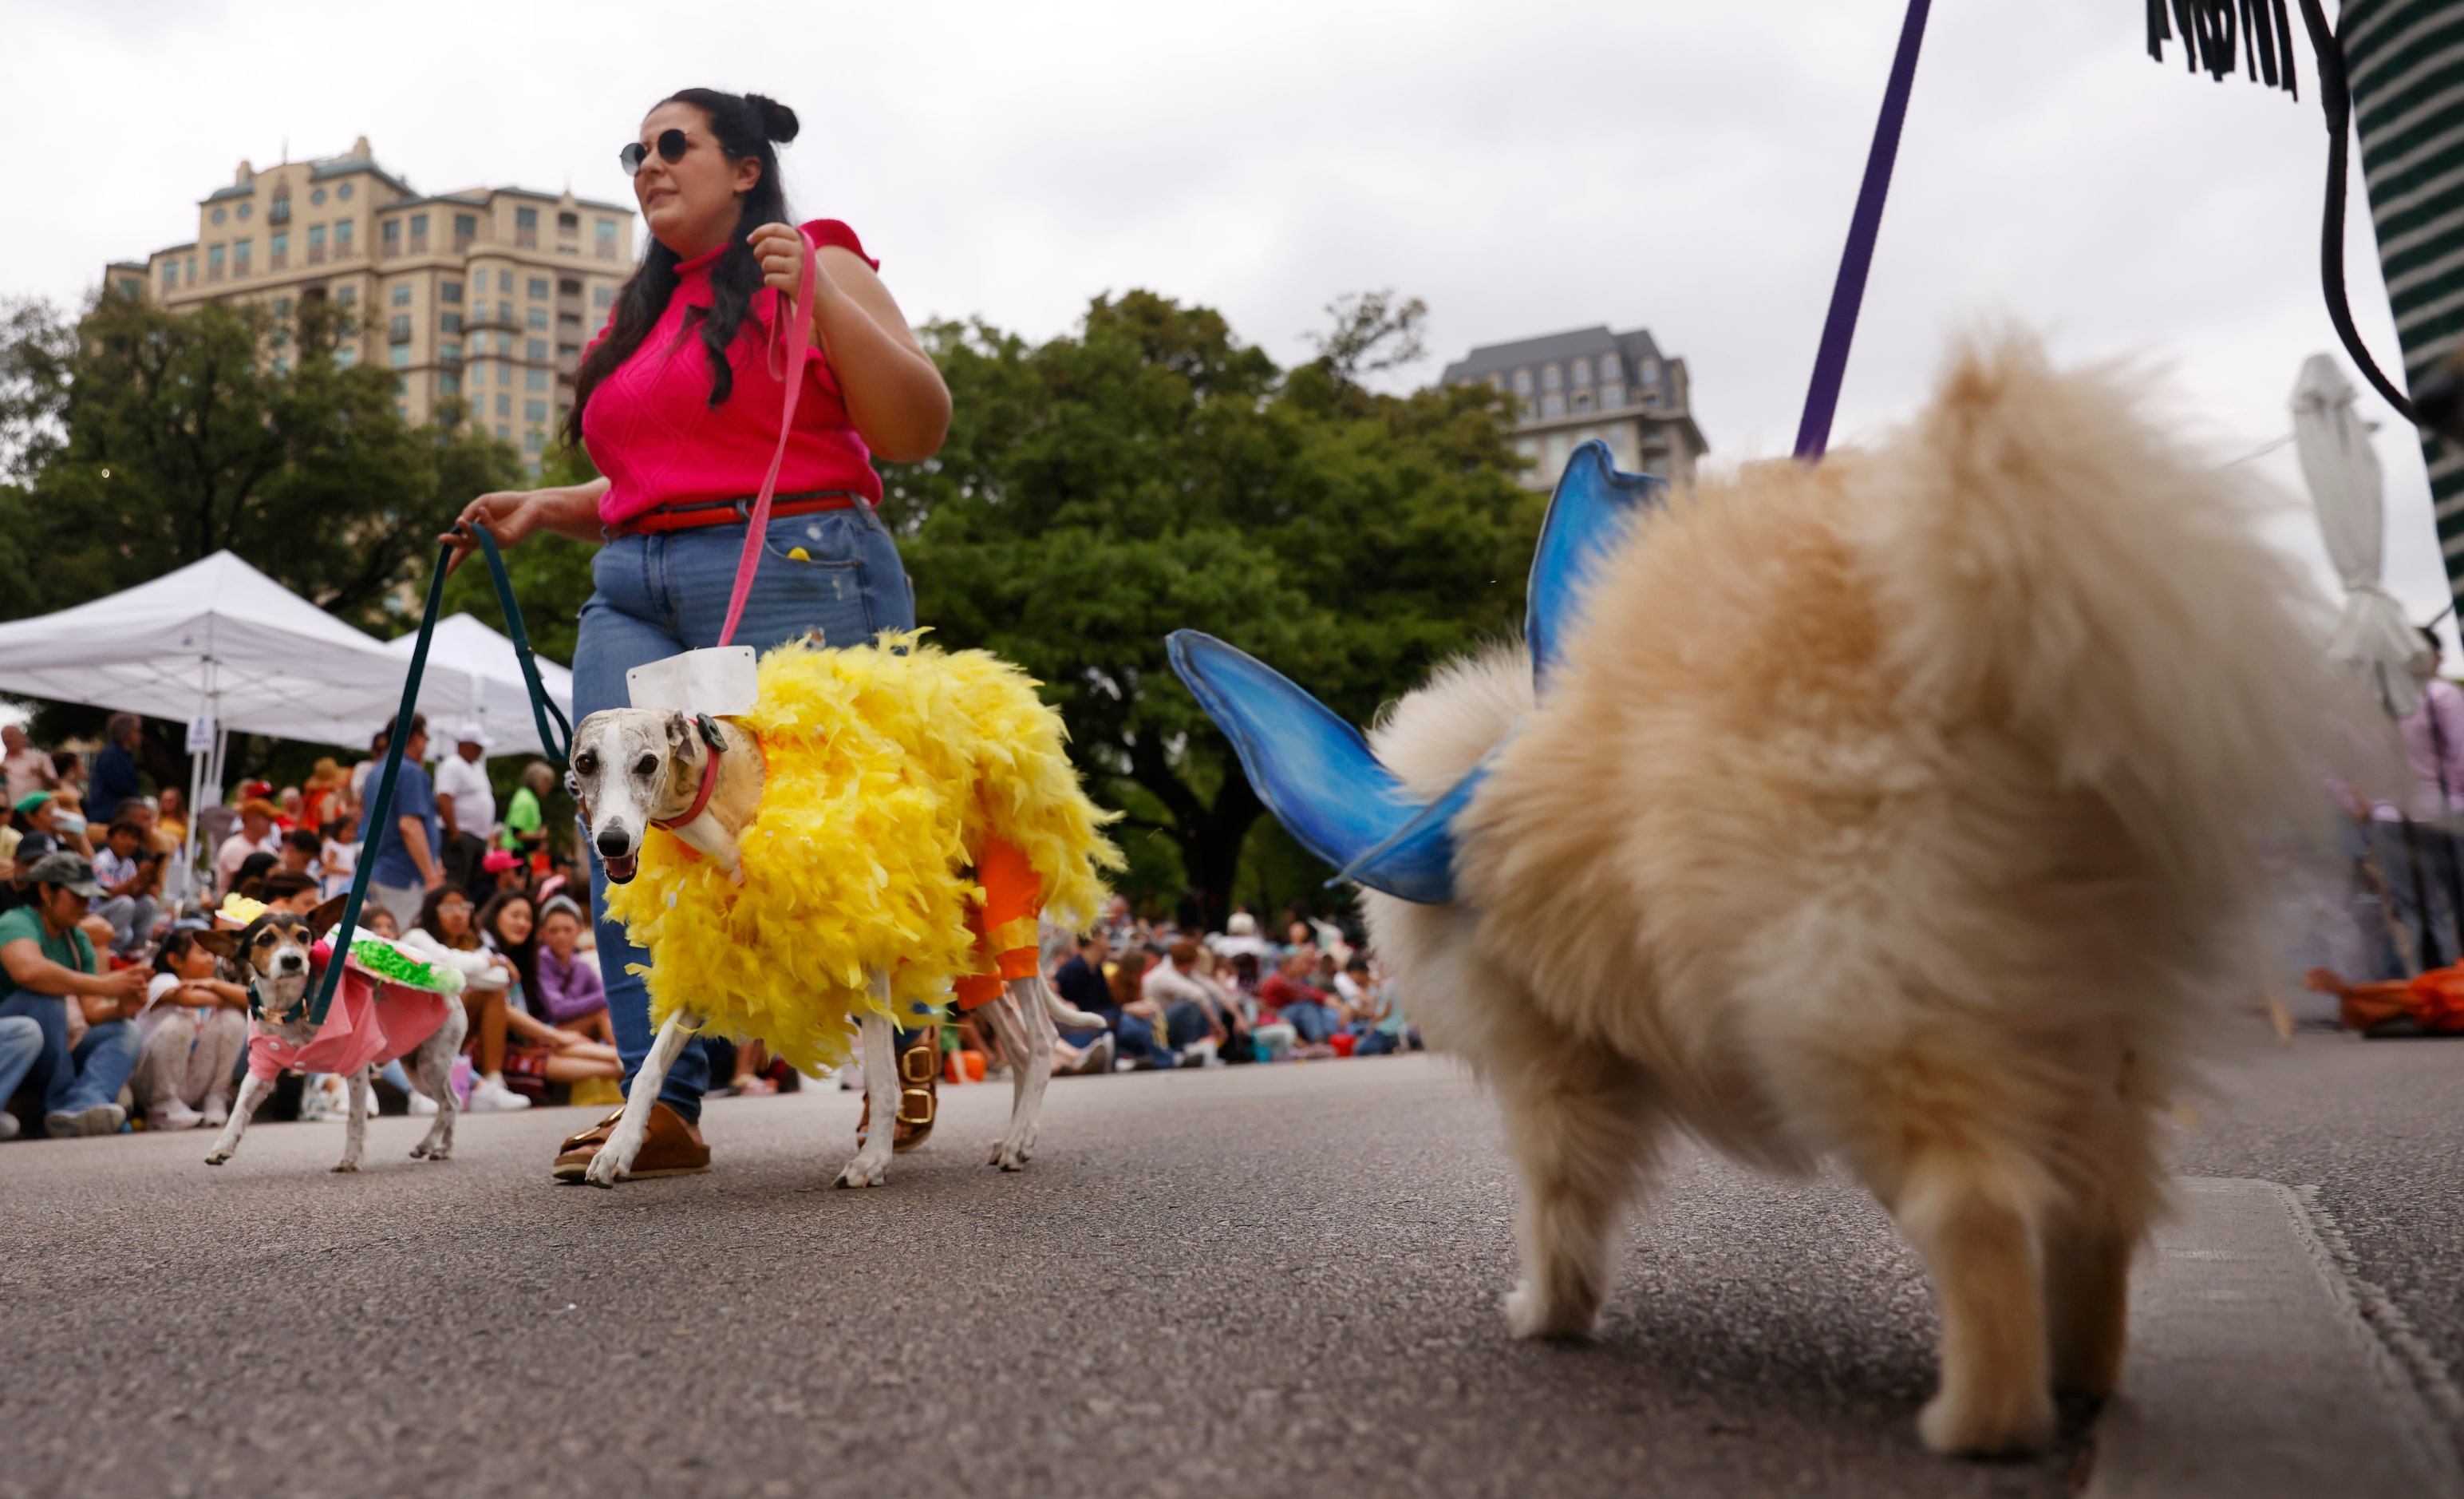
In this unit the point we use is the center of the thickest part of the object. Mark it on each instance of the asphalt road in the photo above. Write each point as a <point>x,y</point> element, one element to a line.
<point>1239,1282</point>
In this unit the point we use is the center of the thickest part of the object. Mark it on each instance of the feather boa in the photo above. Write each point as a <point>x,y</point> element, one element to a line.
<point>887,766</point>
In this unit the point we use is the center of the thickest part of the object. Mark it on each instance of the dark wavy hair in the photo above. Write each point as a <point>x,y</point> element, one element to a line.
<point>745,126</point>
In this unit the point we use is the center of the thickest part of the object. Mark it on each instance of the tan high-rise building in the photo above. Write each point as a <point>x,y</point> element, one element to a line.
<point>1568,388</point>
<point>484,296</point>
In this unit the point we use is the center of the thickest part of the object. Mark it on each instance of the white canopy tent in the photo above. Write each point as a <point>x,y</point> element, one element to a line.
<point>221,646</point>
<point>2341,468</point>
<point>463,645</point>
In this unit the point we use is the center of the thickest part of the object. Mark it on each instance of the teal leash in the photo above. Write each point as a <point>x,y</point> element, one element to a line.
<point>383,805</point>
<point>543,707</point>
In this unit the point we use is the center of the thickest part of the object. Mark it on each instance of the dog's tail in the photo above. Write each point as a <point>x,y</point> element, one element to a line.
<point>2062,566</point>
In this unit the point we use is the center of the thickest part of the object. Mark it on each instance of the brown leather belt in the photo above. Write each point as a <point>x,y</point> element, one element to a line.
<point>730,512</point>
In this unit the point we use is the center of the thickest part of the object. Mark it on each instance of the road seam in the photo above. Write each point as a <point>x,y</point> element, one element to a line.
<point>2429,1372</point>
<point>2260,1365</point>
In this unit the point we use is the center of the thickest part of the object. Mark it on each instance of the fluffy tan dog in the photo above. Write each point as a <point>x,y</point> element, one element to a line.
<point>1909,810</point>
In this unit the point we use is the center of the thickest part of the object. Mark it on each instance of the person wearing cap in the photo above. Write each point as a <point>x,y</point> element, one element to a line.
<point>255,834</point>
<point>49,962</point>
<point>468,805</point>
<point>403,865</point>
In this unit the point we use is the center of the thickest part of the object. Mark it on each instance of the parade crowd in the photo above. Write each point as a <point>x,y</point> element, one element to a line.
<point>115,1018</point>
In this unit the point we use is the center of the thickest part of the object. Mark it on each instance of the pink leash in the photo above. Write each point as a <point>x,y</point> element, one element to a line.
<point>799,343</point>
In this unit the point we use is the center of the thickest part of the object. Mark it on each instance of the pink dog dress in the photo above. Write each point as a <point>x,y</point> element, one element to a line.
<point>371,1022</point>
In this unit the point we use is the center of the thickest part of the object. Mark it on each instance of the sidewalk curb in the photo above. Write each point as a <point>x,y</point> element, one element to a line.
<point>2260,1365</point>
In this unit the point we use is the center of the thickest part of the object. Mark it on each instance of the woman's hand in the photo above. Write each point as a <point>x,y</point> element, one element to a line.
<point>780,248</point>
<point>508,513</point>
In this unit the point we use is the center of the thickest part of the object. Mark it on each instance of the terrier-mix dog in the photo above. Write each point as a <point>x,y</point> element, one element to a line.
<point>1915,809</point>
<point>274,952</point>
<point>701,779</point>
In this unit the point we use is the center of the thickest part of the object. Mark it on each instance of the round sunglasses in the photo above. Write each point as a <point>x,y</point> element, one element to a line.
<point>672,147</point>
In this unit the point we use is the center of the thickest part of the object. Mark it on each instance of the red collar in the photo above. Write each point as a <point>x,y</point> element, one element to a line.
<point>701,797</point>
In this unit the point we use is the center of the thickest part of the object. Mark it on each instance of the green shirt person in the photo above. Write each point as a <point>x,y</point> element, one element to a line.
<point>526,821</point>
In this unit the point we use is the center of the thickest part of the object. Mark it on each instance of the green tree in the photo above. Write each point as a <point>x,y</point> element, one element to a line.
<point>135,440</point>
<point>1151,472</point>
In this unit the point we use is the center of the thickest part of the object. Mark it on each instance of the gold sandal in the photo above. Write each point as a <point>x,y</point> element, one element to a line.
<point>919,1078</point>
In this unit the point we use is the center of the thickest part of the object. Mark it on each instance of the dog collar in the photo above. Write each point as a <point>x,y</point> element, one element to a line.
<point>701,797</point>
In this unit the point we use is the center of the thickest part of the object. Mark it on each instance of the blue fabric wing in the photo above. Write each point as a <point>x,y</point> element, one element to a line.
<point>1587,515</point>
<point>1315,773</point>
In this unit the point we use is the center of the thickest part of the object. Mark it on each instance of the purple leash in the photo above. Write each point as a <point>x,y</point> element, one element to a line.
<point>1848,292</point>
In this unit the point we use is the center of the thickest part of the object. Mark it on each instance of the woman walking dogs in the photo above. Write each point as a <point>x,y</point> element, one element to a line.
<point>678,403</point>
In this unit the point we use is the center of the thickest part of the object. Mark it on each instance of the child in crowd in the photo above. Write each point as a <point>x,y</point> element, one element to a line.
<point>190,1037</point>
<point>130,875</point>
<point>338,857</point>
<point>570,991</point>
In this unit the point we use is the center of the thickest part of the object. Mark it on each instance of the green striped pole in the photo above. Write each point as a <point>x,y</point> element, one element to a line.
<point>2405,60</point>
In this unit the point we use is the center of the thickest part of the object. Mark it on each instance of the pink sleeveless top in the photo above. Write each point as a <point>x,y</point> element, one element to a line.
<point>650,429</point>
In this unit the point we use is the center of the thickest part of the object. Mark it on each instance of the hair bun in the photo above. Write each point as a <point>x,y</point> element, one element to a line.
<point>778,120</point>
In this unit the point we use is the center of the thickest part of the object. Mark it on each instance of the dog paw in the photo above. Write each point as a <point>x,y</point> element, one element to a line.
<point>1010,1154</point>
<point>347,1165</point>
<point>1986,1428</point>
<point>218,1157</point>
<point>1529,1313</point>
<point>425,1152</point>
<point>602,1171</point>
<point>865,1171</point>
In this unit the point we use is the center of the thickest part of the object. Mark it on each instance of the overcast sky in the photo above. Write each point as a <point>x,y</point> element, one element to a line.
<point>1684,167</point>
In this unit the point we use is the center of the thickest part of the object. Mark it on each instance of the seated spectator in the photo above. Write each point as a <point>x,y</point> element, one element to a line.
<point>1199,1020</point>
<point>115,768</point>
<point>571,991</point>
<point>131,876</point>
<point>248,883</point>
<point>51,963</point>
<point>1137,1022</point>
<point>1289,997</point>
<point>255,834</point>
<point>537,1049</point>
<point>287,890</point>
<point>28,769</point>
<point>320,799</point>
<point>298,849</point>
<point>69,772</point>
<point>377,919</point>
<point>1240,937</point>
<point>1080,980</point>
<point>190,1038</point>
<point>172,815</point>
<point>287,804</point>
<point>505,872</point>
<point>525,816</point>
<point>1082,1051</point>
<point>444,933</point>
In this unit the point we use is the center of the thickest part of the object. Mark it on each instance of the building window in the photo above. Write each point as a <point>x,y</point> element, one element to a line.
<point>1551,377</point>
<point>504,404</point>
<point>132,287</point>
<point>1583,400</point>
<point>346,355</point>
<point>538,288</point>
<point>391,235</point>
<point>1523,381</point>
<point>401,294</point>
<point>188,274</point>
<point>281,365</point>
<point>534,380</point>
<point>316,244</point>
<point>349,295</point>
<point>1612,397</point>
<point>451,290</point>
<point>1552,407</point>
<point>466,229</point>
<point>281,211</point>
<point>605,238</point>
<point>283,306</point>
<point>539,319</point>
<point>568,223</point>
<point>505,282</point>
<point>216,217</point>
<point>402,355</point>
<point>239,256</point>
<point>1582,372</point>
<point>602,296</point>
<point>343,193</point>
<point>535,350</point>
<point>399,330</point>
<point>448,384</point>
<point>317,197</point>
<point>343,241</point>
<point>449,322</point>
<point>246,212</point>
<point>569,319</point>
<point>478,290</point>
<point>526,227</point>
<point>533,410</point>
<point>277,250</point>
<point>418,233</point>
<point>1648,373</point>
<point>533,440</point>
<point>449,353</point>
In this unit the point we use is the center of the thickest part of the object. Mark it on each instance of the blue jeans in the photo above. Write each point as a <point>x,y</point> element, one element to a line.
<point>73,1081</point>
<point>1138,1044</point>
<point>1314,1021</point>
<point>21,1043</point>
<point>657,596</point>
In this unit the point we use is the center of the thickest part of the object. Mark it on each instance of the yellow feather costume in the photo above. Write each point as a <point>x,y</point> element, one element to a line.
<point>888,765</point>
